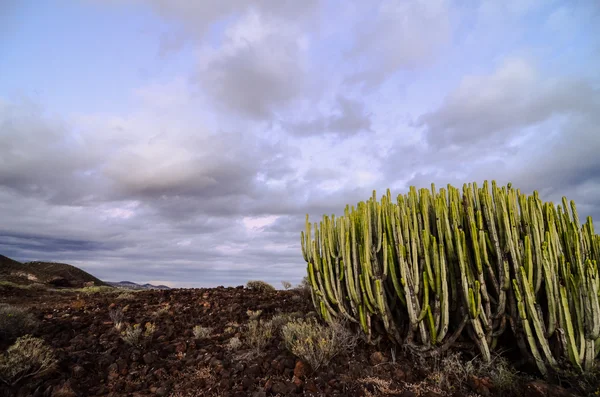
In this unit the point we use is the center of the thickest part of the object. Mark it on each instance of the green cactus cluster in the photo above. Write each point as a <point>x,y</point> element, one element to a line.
<point>434,269</point>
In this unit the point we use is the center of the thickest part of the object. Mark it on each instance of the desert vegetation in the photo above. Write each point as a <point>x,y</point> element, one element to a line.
<point>437,269</point>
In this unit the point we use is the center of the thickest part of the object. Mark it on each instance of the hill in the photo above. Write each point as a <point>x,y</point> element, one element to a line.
<point>49,273</point>
<point>135,286</point>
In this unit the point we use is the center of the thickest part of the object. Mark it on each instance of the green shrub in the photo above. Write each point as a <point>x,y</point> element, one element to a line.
<point>260,286</point>
<point>28,357</point>
<point>16,321</point>
<point>316,343</point>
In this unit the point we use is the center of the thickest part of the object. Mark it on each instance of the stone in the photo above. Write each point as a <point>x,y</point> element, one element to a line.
<point>78,371</point>
<point>300,369</point>
<point>149,358</point>
<point>377,358</point>
<point>408,393</point>
<point>480,386</point>
<point>283,388</point>
<point>539,388</point>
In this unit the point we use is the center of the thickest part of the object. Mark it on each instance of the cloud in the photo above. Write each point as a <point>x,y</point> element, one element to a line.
<point>402,35</point>
<point>350,117</point>
<point>491,108</point>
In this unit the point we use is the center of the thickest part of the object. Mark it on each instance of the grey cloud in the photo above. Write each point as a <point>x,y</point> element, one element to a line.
<point>257,79</point>
<point>350,117</point>
<point>402,35</point>
<point>492,108</point>
<point>37,157</point>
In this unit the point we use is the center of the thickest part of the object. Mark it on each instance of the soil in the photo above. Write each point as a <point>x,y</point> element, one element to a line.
<point>94,360</point>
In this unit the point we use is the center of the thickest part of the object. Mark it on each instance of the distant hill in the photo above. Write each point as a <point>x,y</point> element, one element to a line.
<point>135,286</point>
<point>49,273</point>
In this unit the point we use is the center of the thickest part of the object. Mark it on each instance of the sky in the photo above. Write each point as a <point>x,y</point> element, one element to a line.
<point>183,143</point>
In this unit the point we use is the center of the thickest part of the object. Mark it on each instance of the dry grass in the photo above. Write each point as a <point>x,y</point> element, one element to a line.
<point>451,373</point>
<point>316,343</point>
<point>28,357</point>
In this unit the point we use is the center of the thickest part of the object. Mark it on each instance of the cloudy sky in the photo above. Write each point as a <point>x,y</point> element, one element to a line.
<point>183,142</point>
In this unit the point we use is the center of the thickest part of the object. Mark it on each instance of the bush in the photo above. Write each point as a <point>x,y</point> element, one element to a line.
<point>201,332</point>
<point>136,336</point>
<point>286,285</point>
<point>317,344</point>
<point>253,314</point>
<point>97,289</point>
<point>26,358</point>
<point>234,343</point>
<point>116,316</point>
<point>15,321</point>
<point>451,373</point>
<point>258,334</point>
<point>260,286</point>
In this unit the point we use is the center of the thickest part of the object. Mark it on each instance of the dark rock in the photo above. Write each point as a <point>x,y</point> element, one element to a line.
<point>162,391</point>
<point>247,383</point>
<point>377,358</point>
<point>283,388</point>
<point>480,386</point>
<point>253,370</point>
<point>407,393</point>
<point>300,369</point>
<point>78,372</point>
<point>149,358</point>
<point>539,388</point>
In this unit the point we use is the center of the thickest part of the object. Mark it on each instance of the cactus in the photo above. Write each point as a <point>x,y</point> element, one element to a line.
<point>435,266</point>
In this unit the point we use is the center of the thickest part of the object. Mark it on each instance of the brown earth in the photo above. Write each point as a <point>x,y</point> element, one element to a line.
<point>93,359</point>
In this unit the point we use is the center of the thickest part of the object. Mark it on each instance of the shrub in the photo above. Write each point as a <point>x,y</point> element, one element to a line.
<point>234,343</point>
<point>316,343</point>
<point>15,321</point>
<point>125,295</point>
<point>253,314</point>
<point>280,319</point>
<point>286,285</point>
<point>451,372</point>
<point>258,334</point>
<point>260,286</point>
<point>201,332</point>
<point>26,358</point>
<point>97,289</point>
<point>136,336</point>
<point>116,316</point>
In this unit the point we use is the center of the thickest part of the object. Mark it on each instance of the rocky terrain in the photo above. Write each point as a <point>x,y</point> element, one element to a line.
<point>86,333</point>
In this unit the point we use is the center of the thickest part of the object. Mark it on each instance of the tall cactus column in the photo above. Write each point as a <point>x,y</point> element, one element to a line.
<point>436,266</point>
